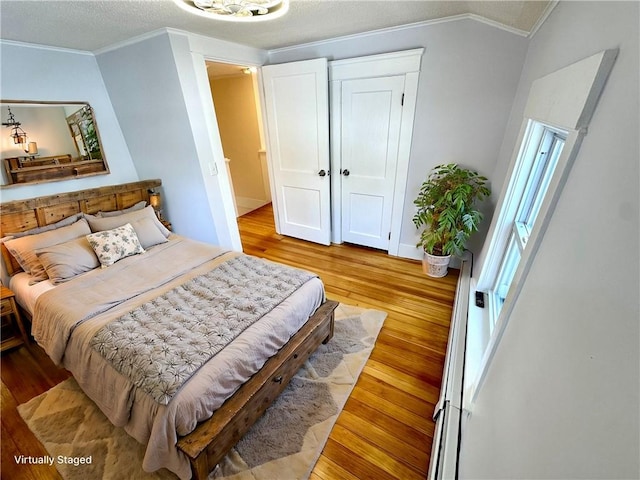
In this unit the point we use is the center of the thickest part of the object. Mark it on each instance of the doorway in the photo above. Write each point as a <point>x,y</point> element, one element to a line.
<point>234,91</point>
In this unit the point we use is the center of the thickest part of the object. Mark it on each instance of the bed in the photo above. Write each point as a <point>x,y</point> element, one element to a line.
<point>143,349</point>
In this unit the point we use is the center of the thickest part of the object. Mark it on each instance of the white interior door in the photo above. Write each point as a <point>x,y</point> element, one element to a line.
<point>371,120</point>
<point>297,113</point>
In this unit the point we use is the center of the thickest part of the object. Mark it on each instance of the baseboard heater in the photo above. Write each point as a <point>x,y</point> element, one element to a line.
<point>447,414</point>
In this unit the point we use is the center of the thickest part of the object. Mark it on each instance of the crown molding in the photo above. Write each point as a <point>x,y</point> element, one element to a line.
<point>145,36</point>
<point>136,39</point>
<point>196,40</point>
<point>44,47</point>
<point>453,18</point>
<point>543,17</point>
<point>496,24</point>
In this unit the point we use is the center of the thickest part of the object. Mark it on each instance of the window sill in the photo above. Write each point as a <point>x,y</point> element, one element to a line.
<point>477,341</point>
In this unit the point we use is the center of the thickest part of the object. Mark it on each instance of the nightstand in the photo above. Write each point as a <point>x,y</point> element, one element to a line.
<point>10,320</point>
<point>166,224</point>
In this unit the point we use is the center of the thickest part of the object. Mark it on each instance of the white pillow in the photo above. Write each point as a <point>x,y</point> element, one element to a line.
<point>113,245</point>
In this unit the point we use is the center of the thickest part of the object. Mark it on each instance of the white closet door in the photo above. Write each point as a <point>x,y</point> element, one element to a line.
<point>297,111</point>
<point>371,120</point>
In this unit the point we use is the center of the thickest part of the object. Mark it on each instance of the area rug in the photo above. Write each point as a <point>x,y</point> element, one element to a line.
<point>284,444</point>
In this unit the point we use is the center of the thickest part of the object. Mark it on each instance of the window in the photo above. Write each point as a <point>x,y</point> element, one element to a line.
<point>563,103</point>
<point>503,281</point>
<point>536,164</point>
<point>538,182</point>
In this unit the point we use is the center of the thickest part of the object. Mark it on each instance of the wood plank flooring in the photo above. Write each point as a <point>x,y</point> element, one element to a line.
<point>385,429</point>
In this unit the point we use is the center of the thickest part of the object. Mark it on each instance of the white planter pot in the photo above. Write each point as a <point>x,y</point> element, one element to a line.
<point>435,265</point>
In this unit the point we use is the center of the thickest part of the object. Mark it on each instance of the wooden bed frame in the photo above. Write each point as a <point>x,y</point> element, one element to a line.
<point>213,438</point>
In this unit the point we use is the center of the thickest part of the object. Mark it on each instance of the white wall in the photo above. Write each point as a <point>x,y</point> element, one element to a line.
<point>561,397</point>
<point>39,73</point>
<point>468,79</point>
<point>144,86</point>
<point>156,88</point>
<point>235,106</point>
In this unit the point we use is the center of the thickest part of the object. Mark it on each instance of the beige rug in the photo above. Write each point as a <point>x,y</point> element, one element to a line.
<point>284,444</point>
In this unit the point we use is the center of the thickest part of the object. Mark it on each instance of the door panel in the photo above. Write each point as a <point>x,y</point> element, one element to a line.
<point>295,200</point>
<point>297,111</point>
<point>361,220</point>
<point>369,137</point>
<point>371,119</point>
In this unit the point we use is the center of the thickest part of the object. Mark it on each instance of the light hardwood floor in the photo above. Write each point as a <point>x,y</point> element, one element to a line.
<point>385,429</point>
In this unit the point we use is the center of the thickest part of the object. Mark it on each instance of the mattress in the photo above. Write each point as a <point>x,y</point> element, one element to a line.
<point>27,294</point>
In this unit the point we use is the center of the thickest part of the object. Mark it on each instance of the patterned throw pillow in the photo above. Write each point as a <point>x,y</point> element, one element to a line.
<point>113,245</point>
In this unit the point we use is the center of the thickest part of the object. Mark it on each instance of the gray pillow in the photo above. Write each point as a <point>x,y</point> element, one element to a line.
<point>100,224</point>
<point>24,249</point>
<point>66,260</point>
<point>114,213</point>
<point>148,233</point>
<point>62,223</point>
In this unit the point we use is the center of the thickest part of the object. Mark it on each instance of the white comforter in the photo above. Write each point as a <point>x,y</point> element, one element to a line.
<point>105,294</point>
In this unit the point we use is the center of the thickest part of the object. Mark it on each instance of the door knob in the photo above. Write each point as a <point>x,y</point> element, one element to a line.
<point>322,173</point>
<point>345,172</point>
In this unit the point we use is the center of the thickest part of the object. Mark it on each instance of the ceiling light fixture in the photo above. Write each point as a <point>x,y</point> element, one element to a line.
<point>236,10</point>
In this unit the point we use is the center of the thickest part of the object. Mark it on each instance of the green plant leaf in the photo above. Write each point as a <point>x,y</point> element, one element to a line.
<point>446,208</point>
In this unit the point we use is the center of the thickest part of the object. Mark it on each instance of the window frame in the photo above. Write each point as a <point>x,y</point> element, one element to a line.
<point>507,269</point>
<point>535,169</point>
<point>540,176</point>
<point>501,232</point>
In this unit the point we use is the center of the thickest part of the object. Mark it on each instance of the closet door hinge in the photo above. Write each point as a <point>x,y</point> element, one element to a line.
<point>402,101</point>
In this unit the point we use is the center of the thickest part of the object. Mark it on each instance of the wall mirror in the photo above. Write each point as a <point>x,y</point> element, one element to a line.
<point>49,141</point>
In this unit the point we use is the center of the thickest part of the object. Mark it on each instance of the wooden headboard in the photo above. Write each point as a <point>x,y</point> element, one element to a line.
<point>23,215</point>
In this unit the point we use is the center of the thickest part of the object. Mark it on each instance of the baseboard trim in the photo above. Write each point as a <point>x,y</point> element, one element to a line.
<point>412,252</point>
<point>251,203</point>
<point>409,251</point>
<point>446,439</point>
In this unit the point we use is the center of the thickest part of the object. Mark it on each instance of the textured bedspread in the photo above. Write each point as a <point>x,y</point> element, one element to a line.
<point>69,316</point>
<point>162,343</point>
<point>58,311</point>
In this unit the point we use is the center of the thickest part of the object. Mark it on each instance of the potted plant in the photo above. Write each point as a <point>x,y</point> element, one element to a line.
<point>446,209</point>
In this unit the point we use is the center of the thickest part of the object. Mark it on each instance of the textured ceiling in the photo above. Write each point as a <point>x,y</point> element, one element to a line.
<point>92,25</point>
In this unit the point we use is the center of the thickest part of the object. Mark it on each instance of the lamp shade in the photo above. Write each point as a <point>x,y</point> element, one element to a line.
<point>154,200</point>
<point>32,148</point>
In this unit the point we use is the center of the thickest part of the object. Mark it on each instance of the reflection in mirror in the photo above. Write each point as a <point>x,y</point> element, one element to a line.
<point>54,141</point>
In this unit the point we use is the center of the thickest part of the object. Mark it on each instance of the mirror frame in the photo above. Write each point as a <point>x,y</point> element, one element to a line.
<point>88,159</point>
